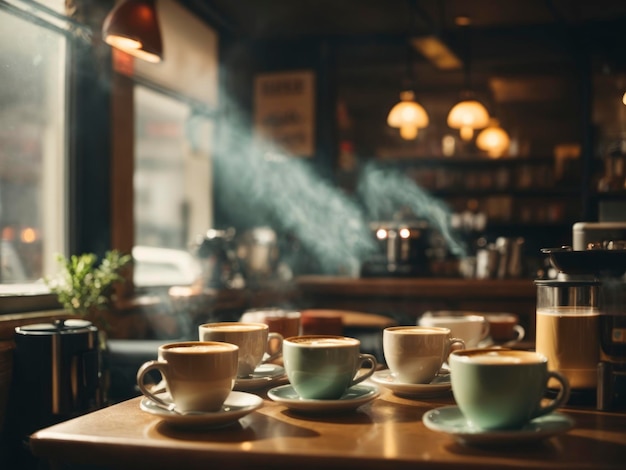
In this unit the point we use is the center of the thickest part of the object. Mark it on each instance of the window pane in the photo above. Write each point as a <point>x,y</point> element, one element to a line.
<point>32,151</point>
<point>172,188</point>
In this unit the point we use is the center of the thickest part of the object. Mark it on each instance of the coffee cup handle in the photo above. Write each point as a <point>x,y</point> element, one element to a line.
<point>363,360</point>
<point>560,399</point>
<point>485,331</point>
<point>455,341</point>
<point>520,332</point>
<point>146,367</point>
<point>277,339</point>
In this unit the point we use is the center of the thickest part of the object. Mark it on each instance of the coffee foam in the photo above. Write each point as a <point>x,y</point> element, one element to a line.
<point>199,349</point>
<point>424,330</point>
<point>501,357</point>
<point>234,327</point>
<point>324,342</point>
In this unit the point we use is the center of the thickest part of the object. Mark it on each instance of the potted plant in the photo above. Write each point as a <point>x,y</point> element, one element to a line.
<point>85,288</point>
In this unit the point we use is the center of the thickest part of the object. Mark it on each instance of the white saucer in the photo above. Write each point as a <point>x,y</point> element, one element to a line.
<point>356,396</point>
<point>237,405</point>
<point>450,420</point>
<point>263,376</point>
<point>439,385</point>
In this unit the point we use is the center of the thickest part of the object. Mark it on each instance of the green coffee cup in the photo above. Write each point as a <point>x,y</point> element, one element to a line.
<point>502,388</point>
<point>324,367</point>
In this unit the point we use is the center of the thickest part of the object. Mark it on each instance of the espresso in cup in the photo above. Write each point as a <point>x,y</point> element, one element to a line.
<point>254,341</point>
<point>324,367</point>
<point>505,327</point>
<point>199,376</point>
<point>415,354</point>
<point>502,388</point>
<point>470,327</point>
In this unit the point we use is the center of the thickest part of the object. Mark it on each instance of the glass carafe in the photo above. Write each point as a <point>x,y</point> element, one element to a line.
<point>568,329</point>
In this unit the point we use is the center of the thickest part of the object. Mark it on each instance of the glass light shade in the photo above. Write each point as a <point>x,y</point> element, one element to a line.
<point>624,98</point>
<point>467,116</point>
<point>407,113</point>
<point>494,140</point>
<point>132,26</point>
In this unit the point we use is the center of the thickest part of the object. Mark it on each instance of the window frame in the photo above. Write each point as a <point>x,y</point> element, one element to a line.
<point>99,138</point>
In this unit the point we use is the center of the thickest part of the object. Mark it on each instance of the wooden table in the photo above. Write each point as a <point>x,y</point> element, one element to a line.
<point>385,433</point>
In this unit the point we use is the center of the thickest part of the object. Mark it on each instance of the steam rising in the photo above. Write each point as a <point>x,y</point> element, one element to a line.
<point>385,191</point>
<point>256,185</point>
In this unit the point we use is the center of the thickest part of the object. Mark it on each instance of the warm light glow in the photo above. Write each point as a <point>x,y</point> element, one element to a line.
<point>122,43</point>
<point>438,52</point>
<point>381,233</point>
<point>405,233</point>
<point>494,140</point>
<point>29,235</point>
<point>132,47</point>
<point>408,132</point>
<point>624,98</point>
<point>467,116</point>
<point>408,115</point>
<point>132,26</point>
<point>8,234</point>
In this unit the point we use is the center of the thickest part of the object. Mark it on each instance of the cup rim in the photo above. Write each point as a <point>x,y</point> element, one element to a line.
<point>419,329</point>
<point>463,355</point>
<point>226,347</point>
<point>464,318</point>
<point>351,343</point>
<point>501,315</point>
<point>453,313</point>
<point>217,325</point>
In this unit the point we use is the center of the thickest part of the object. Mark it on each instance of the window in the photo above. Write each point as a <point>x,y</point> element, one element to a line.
<point>172,187</point>
<point>33,145</point>
<point>175,106</point>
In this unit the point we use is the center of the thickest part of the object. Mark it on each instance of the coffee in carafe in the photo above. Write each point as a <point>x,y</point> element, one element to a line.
<point>568,329</point>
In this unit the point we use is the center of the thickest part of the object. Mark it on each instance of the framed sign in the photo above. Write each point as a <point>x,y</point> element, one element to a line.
<point>284,111</point>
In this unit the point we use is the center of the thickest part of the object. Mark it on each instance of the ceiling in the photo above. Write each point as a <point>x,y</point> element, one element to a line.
<point>502,33</point>
<point>275,18</point>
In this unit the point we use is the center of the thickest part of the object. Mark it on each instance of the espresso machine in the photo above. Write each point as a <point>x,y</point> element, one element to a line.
<point>402,250</point>
<point>591,281</point>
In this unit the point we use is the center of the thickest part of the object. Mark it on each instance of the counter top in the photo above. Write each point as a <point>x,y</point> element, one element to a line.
<point>385,433</point>
<point>429,287</point>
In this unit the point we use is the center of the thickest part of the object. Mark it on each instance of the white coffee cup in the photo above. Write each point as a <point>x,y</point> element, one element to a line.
<point>199,375</point>
<point>470,327</point>
<point>415,354</point>
<point>254,341</point>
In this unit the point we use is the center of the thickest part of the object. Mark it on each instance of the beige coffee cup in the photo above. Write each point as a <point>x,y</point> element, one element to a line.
<point>199,375</point>
<point>254,341</point>
<point>415,354</point>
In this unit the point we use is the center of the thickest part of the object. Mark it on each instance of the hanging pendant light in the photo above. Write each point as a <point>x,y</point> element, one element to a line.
<point>408,115</point>
<point>469,114</point>
<point>494,140</point>
<point>132,26</point>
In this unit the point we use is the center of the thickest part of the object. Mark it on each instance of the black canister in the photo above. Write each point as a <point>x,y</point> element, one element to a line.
<point>56,374</point>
